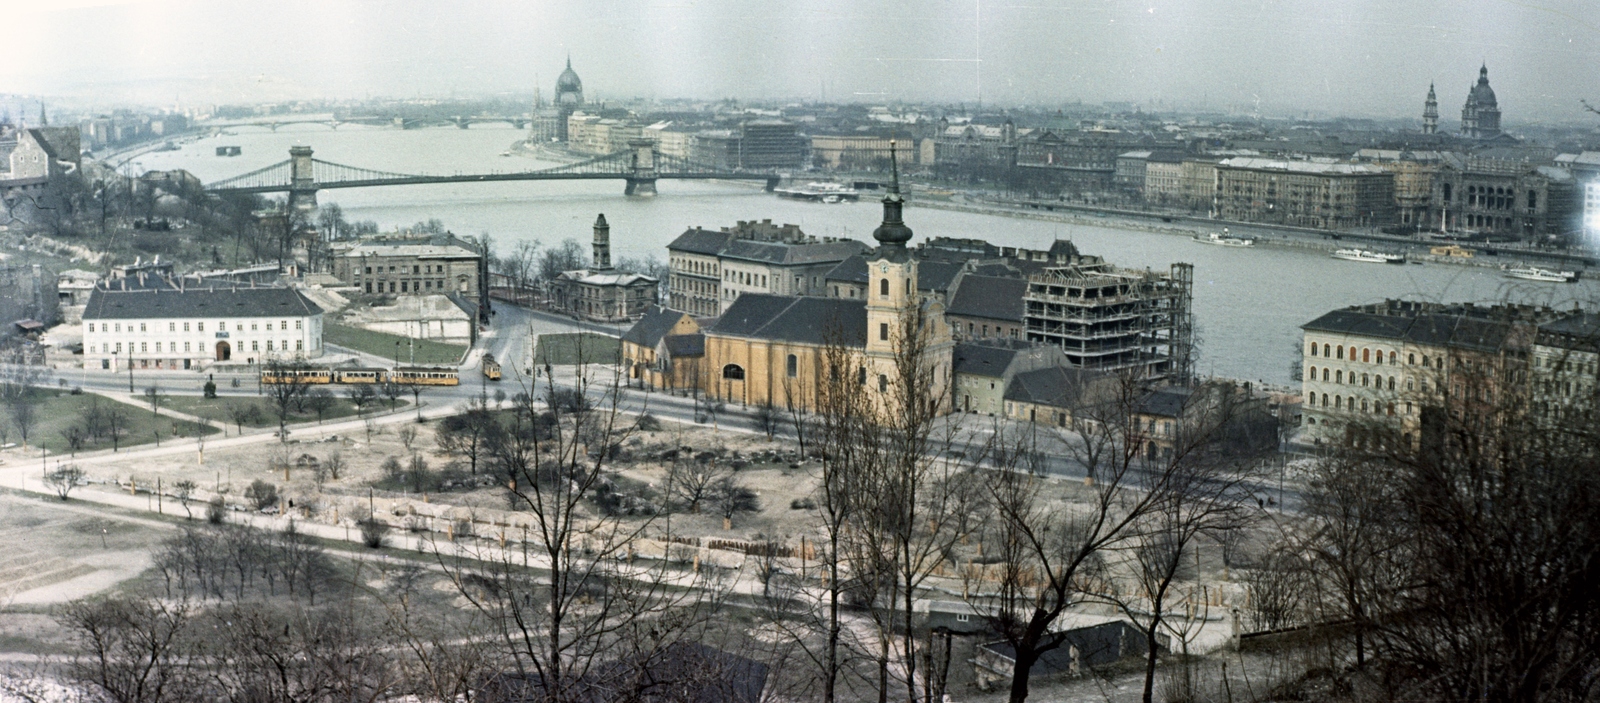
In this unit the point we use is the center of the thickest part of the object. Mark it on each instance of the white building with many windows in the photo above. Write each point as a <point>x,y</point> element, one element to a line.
<point>195,327</point>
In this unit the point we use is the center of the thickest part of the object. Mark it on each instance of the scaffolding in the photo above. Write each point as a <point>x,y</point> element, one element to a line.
<point>1111,319</point>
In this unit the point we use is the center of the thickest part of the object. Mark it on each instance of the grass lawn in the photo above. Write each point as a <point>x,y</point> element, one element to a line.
<point>221,408</point>
<point>569,348</point>
<point>428,352</point>
<point>60,412</point>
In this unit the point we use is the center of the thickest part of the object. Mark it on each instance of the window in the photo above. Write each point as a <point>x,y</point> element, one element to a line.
<point>1313,373</point>
<point>186,346</point>
<point>297,323</point>
<point>883,383</point>
<point>1391,383</point>
<point>1313,348</point>
<point>201,326</point>
<point>1391,358</point>
<point>269,345</point>
<point>883,330</point>
<point>908,286</point>
<point>793,366</point>
<point>255,346</point>
<point>1340,351</point>
<point>141,327</point>
<point>369,269</point>
<point>172,327</point>
<point>142,347</point>
<point>1338,377</point>
<point>733,372</point>
<point>252,327</point>
<point>1366,356</point>
<point>1324,374</point>
<point>883,287</point>
<point>1324,350</point>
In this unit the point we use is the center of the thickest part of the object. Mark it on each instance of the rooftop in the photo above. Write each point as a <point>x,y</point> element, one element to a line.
<point>219,303</point>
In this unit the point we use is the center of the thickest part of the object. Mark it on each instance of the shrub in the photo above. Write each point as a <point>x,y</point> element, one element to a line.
<point>261,494</point>
<point>374,534</point>
<point>216,511</point>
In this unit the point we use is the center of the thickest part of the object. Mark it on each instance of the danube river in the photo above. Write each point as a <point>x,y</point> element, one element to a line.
<point>1248,303</point>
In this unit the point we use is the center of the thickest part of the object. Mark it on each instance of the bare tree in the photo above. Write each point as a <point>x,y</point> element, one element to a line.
<point>320,401</point>
<point>285,382</point>
<point>361,396</point>
<point>132,650</point>
<point>468,434</point>
<point>593,600</point>
<point>63,480</point>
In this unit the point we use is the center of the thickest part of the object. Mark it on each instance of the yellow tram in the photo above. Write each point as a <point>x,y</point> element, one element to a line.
<point>425,376</point>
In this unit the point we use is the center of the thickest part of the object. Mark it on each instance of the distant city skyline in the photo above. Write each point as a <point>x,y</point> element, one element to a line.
<point>1356,59</point>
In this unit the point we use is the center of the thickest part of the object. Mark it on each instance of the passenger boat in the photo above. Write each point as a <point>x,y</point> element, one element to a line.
<point>1534,273</point>
<point>1368,257</point>
<point>1225,239</point>
<point>822,192</point>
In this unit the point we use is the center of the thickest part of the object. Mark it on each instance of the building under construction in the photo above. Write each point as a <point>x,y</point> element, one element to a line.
<point>1113,319</point>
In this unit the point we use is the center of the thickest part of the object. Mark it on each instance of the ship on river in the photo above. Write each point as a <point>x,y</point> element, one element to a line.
<point>820,192</point>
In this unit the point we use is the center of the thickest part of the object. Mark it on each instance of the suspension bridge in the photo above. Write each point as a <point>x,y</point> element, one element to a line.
<point>639,166</point>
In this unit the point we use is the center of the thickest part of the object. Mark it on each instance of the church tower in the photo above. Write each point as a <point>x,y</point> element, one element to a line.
<point>602,244</point>
<point>893,300</point>
<point>1430,113</point>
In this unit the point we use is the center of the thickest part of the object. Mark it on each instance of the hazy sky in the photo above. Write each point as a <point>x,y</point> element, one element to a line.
<point>1351,57</point>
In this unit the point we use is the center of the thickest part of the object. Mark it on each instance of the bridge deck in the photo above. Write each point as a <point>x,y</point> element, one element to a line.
<point>492,177</point>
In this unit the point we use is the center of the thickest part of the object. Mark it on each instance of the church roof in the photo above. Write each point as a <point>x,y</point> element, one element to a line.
<point>655,324</point>
<point>804,320</point>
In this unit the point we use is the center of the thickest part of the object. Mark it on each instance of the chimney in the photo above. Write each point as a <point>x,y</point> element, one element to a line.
<point>602,244</point>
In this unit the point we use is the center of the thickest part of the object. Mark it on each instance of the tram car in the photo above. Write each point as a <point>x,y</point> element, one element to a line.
<point>491,368</point>
<point>310,374</point>
<point>425,376</point>
<point>360,375</point>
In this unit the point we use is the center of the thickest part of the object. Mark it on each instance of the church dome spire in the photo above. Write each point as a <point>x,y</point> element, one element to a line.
<point>893,233</point>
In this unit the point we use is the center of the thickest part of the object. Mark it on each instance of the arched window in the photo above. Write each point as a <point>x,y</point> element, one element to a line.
<point>908,286</point>
<point>733,372</point>
<point>1352,353</point>
<point>1338,402</point>
<point>1391,358</point>
<point>1363,380</point>
<point>794,366</point>
<point>1339,350</point>
<point>883,287</point>
<point>1313,348</point>
<point>1366,356</point>
<point>1313,373</point>
<point>1324,374</point>
<point>1338,377</point>
<point>1324,350</point>
<point>1391,383</point>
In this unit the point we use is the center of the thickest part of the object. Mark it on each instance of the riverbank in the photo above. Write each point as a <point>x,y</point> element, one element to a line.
<point>1265,235</point>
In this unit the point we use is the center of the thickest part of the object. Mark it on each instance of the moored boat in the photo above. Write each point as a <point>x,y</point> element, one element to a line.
<point>1369,257</point>
<point>1225,239</point>
<point>1534,273</point>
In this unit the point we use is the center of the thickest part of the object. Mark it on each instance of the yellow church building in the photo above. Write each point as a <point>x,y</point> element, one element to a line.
<point>771,349</point>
